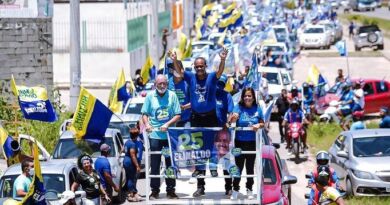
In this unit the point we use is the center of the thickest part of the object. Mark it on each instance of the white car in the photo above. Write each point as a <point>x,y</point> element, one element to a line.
<point>334,29</point>
<point>315,36</point>
<point>275,47</point>
<point>278,79</point>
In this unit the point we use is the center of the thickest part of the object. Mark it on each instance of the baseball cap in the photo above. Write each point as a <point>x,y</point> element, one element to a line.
<point>66,196</point>
<point>384,109</point>
<point>105,147</point>
<point>223,79</point>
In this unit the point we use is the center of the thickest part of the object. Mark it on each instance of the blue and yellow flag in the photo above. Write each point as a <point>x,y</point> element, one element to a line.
<point>91,118</point>
<point>34,103</point>
<point>119,94</point>
<point>5,141</point>
<point>146,69</point>
<point>315,76</point>
<point>206,10</point>
<point>229,10</point>
<point>200,28</point>
<point>36,192</point>
<point>188,51</point>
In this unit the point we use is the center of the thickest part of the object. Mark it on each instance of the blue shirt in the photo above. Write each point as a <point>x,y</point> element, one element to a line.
<point>224,106</point>
<point>102,165</point>
<point>385,123</point>
<point>160,109</point>
<point>247,118</point>
<point>347,96</point>
<point>130,144</point>
<point>358,125</point>
<point>202,92</point>
<point>181,90</point>
<point>292,117</point>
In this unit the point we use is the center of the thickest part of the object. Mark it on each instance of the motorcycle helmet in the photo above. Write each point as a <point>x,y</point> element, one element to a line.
<point>294,102</point>
<point>305,85</point>
<point>323,175</point>
<point>322,158</point>
<point>294,88</point>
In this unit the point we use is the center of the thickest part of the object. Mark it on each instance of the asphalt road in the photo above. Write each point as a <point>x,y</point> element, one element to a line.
<point>382,12</point>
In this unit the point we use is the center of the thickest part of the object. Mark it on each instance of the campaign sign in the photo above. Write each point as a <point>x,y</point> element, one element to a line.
<point>190,147</point>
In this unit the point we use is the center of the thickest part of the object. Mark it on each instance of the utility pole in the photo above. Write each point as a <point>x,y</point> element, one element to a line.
<point>155,43</point>
<point>75,65</point>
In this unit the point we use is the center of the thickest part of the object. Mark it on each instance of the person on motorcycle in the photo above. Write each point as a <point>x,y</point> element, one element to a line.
<point>384,113</point>
<point>322,159</point>
<point>308,99</point>
<point>295,95</point>
<point>358,123</point>
<point>358,96</point>
<point>293,115</point>
<point>346,103</point>
<point>323,192</point>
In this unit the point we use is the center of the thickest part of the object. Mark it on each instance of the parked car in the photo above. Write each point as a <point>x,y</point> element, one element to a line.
<point>134,105</point>
<point>376,95</point>
<point>57,178</point>
<point>315,36</point>
<point>276,178</point>
<point>360,5</point>
<point>362,160</point>
<point>68,149</point>
<point>368,36</point>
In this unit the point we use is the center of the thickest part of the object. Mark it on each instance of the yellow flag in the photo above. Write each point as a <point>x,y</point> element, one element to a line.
<point>229,85</point>
<point>181,46</point>
<point>115,105</point>
<point>313,75</point>
<point>13,86</point>
<point>145,71</point>
<point>188,51</point>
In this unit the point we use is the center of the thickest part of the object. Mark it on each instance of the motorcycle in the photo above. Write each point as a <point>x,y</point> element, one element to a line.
<point>295,131</point>
<point>342,192</point>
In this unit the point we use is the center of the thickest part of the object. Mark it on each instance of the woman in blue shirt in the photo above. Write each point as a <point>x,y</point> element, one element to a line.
<point>246,114</point>
<point>132,163</point>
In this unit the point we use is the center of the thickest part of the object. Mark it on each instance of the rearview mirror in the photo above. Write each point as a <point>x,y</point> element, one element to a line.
<point>342,154</point>
<point>289,180</point>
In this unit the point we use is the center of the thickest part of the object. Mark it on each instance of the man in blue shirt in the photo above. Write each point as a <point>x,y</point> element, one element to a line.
<point>202,89</point>
<point>160,110</point>
<point>294,114</point>
<point>384,113</point>
<point>224,102</point>
<point>357,124</point>
<point>180,87</point>
<point>103,168</point>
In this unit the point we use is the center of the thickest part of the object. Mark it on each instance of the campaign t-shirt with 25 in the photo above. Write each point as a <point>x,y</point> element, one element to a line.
<point>160,109</point>
<point>247,118</point>
<point>181,90</point>
<point>202,92</point>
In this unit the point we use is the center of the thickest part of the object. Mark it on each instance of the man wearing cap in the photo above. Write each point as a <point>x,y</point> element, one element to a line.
<point>384,113</point>
<point>358,96</point>
<point>103,168</point>
<point>160,111</point>
<point>202,89</point>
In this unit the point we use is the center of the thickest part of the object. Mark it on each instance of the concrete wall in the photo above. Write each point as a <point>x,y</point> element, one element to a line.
<point>26,52</point>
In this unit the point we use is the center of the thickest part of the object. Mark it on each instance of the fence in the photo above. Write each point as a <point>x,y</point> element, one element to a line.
<point>258,170</point>
<point>95,36</point>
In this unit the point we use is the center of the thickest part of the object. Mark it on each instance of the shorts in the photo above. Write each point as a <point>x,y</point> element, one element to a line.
<point>356,107</point>
<point>346,112</point>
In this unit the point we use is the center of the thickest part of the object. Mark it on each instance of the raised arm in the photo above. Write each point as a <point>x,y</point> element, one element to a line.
<point>221,67</point>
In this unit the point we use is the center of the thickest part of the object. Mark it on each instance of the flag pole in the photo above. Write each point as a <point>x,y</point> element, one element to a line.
<point>346,55</point>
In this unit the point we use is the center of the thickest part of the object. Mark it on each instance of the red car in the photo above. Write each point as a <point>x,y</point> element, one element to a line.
<point>276,179</point>
<point>376,95</point>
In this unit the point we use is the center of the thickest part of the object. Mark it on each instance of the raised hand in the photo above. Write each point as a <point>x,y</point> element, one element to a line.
<point>223,53</point>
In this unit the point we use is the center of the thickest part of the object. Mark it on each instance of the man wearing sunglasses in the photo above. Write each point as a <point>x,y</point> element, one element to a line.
<point>202,91</point>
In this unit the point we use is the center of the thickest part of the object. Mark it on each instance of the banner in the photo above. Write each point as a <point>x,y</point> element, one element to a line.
<point>190,147</point>
<point>34,103</point>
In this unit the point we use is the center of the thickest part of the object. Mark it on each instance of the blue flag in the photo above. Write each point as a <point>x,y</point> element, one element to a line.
<point>342,48</point>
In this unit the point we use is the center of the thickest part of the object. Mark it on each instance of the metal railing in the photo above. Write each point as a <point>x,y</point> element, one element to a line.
<point>258,170</point>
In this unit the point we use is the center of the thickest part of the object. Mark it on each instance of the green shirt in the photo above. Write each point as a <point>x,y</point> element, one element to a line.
<point>21,182</point>
<point>160,109</point>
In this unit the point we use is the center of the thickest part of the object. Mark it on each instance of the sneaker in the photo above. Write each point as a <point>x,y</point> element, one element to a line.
<point>214,173</point>
<point>249,194</point>
<point>199,192</point>
<point>228,192</point>
<point>197,173</point>
<point>192,180</point>
<point>172,195</point>
<point>154,195</point>
<point>289,152</point>
<point>234,195</point>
